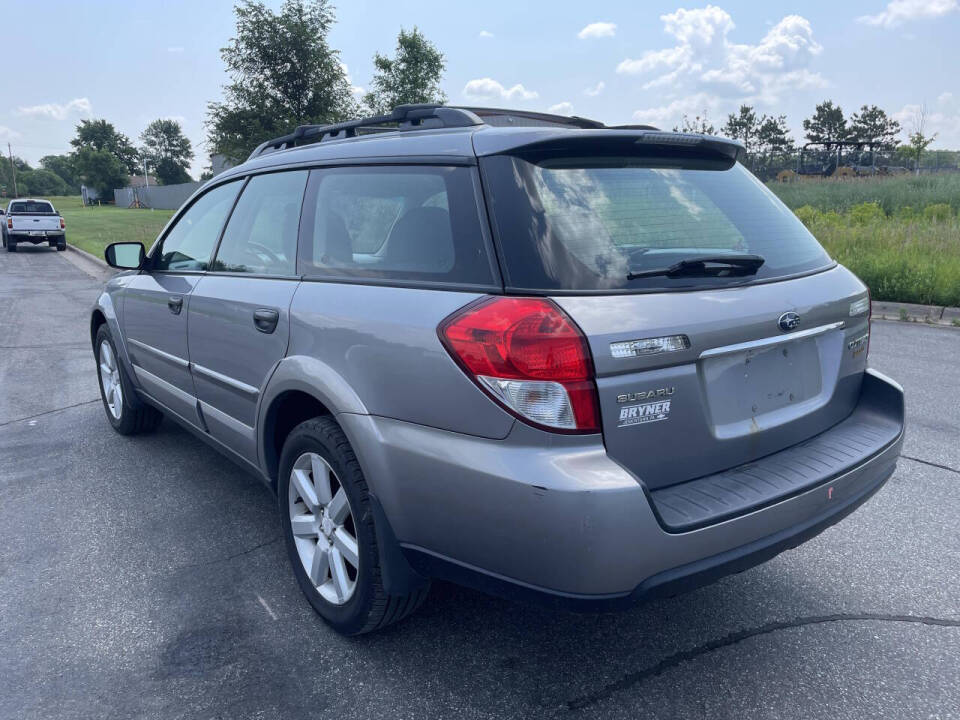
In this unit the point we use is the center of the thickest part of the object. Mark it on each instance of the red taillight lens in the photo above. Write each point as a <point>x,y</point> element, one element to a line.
<point>9,223</point>
<point>63,224</point>
<point>529,356</point>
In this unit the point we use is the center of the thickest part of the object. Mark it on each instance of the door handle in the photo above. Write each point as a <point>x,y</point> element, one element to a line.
<point>266,319</point>
<point>175,303</point>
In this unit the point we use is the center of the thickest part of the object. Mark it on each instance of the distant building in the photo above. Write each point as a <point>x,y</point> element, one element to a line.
<point>219,163</point>
<point>137,181</point>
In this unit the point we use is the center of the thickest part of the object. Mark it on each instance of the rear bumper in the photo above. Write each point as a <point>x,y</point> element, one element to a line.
<point>558,521</point>
<point>47,236</point>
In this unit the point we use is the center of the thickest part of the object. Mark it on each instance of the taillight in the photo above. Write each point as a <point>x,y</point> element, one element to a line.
<point>528,355</point>
<point>63,224</point>
<point>9,223</point>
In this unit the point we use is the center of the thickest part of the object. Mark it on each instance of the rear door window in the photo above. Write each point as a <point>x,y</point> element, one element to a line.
<point>395,223</point>
<point>586,224</point>
<point>31,207</point>
<point>261,235</point>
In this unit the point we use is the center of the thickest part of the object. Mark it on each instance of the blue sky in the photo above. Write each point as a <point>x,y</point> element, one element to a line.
<point>614,61</point>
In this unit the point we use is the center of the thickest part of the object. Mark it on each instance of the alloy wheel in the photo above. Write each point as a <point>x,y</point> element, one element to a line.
<point>110,380</point>
<point>323,528</point>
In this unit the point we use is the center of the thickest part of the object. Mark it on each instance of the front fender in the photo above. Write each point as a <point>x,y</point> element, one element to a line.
<point>106,306</point>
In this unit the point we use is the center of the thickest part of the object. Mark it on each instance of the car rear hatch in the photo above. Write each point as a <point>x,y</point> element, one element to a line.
<point>700,370</point>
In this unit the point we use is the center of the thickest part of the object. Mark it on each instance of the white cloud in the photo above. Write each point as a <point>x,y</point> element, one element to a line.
<point>561,108</point>
<point>485,34</point>
<point>8,134</point>
<point>945,98</point>
<point>704,59</point>
<point>597,30</point>
<point>356,90</point>
<point>667,116</point>
<point>944,122</point>
<point>54,111</point>
<point>595,90</point>
<point>490,89</point>
<point>900,11</point>
<point>175,49</point>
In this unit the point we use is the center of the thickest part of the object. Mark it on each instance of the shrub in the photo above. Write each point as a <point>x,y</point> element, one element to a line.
<point>807,214</point>
<point>866,213</point>
<point>906,213</point>
<point>938,212</point>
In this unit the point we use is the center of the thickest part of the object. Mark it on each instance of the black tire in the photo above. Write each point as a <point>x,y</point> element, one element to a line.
<point>11,245</point>
<point>61,246</point>
<point>370,607</point>
<point>135,417</point>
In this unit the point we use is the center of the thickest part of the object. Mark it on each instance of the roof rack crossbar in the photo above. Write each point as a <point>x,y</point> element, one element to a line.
<point>405,116</point>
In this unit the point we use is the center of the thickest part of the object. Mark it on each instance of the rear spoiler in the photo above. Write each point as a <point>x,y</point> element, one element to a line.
<point>493,143</point>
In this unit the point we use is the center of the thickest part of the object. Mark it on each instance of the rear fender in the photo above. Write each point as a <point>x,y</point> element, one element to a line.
<point>313,377</point>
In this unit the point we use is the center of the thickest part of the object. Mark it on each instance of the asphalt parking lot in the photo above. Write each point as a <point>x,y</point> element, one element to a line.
<point>145,577</point>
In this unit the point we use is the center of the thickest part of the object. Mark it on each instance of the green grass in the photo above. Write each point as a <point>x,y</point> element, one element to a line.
<point>901,260</point>
<point>93,228</point>
<point>892,194</point>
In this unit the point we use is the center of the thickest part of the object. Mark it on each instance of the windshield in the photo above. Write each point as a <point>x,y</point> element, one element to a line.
<point>587,225</point>
<point>31,207</point>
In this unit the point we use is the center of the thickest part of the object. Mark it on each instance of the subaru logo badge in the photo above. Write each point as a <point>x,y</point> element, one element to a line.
<point>789,321</point>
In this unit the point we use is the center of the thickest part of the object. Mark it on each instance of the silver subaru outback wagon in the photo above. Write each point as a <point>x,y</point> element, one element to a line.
<point>532,354</point>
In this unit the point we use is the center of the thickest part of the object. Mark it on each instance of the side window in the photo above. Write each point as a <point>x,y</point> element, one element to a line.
<point>261,235</point>
<point>189,244</point>
<point>403,223</point>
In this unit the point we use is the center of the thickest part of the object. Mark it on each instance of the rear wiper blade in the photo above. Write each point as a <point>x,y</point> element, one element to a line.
<point>706,266</point>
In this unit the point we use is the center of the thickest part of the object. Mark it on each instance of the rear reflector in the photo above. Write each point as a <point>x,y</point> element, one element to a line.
<point>530,357</point>
<point>859,307</point>
<point>649,346</point>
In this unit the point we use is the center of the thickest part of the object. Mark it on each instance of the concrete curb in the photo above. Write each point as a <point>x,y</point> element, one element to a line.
<point>92,258</point>
<point>911,312</point>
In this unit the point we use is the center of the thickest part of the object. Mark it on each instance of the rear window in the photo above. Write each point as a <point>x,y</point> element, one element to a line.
<point>31,207</point>
<point>410,224</point>
<point>585,224</point>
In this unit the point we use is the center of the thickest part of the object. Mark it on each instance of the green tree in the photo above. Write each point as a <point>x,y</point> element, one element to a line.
<point>873,125</point>
<point>743,126</point>
<point>6,175</point>
<point>827,124</point>
<point>101,170</point>
<point>773,138</point>
<point>919,140</point>
<point>63,166</point>
<point>283,74</point>
<point>102,135</point>
<point>412,76</point>
<point>167,150</point>
<point>697,124</point>
<point>40,182</point>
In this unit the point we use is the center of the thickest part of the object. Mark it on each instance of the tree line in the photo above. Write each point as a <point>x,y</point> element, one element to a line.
<point>103,158</point>
<point>768,142</point>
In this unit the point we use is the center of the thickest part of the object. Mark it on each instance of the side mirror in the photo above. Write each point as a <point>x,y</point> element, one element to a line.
<point>2,211</point>
<point>125,255</point>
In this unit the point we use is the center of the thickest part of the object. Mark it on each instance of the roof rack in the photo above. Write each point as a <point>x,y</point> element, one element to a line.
<point>413,117</point>
<point>406,117</point>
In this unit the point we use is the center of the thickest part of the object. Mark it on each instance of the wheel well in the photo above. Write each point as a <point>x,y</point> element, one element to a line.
<point>96,320</point>
<point>287,410</point>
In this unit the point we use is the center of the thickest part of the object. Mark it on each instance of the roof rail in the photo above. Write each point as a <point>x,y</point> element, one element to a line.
<point>408,117</point>
<point>508,116</point>
<point>405,116</point>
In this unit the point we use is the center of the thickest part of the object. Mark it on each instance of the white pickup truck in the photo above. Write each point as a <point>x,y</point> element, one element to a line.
<point>32,221</point>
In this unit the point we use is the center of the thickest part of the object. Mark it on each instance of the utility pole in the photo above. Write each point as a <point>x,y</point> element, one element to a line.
<point>146,178</point>
<point>13,169</point>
